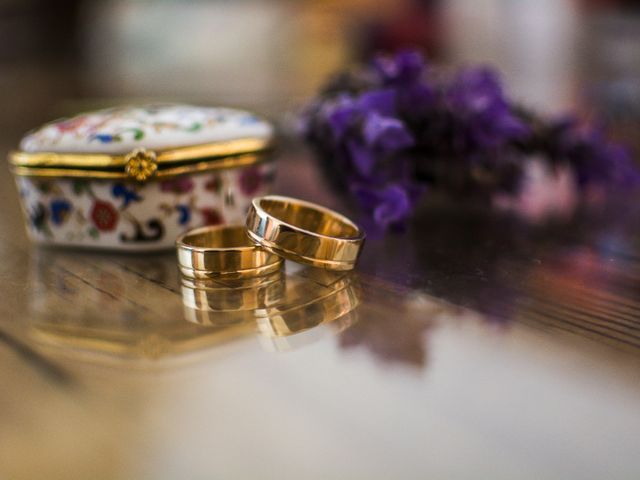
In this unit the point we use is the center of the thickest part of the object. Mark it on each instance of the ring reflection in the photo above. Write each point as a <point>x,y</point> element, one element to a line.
<point>280,306</point>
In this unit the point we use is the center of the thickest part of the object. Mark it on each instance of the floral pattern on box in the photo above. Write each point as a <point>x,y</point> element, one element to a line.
<point>127,215</point>
<point>122,129</point>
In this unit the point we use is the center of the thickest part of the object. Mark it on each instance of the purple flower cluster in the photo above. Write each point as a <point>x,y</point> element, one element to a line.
<point>391,131</point>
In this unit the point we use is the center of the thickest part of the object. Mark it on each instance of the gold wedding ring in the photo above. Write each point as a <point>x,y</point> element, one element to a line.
<point>223,251</point>
<point>304,232</point>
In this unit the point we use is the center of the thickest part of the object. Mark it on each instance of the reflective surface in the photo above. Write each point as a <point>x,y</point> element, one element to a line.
<point>530,372</point>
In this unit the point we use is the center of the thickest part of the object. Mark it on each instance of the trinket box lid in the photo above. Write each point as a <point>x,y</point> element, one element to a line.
<point>142,141</point>
<point>156,127</point>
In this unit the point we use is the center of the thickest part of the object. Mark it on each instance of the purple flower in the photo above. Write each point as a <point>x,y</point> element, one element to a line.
<point>340,115</point>
<point>386,134</point>
<point>408,75</point>
<point>345,111</point>
<point>417,100</point>
<point>596,160</point>
<point>391,204</point>
<point>359,126</point>
<point>476,98</point>
<point>379,101</point>
<point>624,171</point>
<point>405,67</point>
<point>362,157</point>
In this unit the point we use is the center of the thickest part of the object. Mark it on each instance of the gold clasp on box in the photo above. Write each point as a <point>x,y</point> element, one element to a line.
<point>141,164</point>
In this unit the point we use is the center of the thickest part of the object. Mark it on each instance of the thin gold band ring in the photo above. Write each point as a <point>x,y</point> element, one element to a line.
<point>304,232</point>
<point>223,251</point>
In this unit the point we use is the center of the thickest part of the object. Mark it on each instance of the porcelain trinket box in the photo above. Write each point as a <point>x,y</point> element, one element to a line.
<point>134,178</point>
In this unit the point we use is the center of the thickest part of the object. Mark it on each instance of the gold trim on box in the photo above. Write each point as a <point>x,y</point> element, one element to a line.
<point>98,160</point>
<point>140,164</point>
<point>203,166</point>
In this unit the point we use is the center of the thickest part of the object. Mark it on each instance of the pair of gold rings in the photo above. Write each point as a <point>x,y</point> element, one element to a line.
<point>276,228</point>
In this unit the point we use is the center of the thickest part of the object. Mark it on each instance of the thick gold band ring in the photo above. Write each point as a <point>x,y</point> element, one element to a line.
<point>304,232</point>
<point>223,251</point>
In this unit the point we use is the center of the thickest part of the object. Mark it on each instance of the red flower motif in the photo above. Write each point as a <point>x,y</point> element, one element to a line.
<point>104,216</point>
<point>71,124</point>
<point>250,180</point>
<point>177,185</point>
<point>213,184</point>
<point>211,216</point>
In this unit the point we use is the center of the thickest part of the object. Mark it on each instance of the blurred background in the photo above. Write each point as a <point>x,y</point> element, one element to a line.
<point>270,55</point>
<point>548,411</point>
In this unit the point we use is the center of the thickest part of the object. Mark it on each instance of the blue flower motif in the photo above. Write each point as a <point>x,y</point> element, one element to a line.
<point>248,120</point>
<point>60,210</point>
<point>128,195</point>
<point>103,137</point>
<point>184,214</point>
